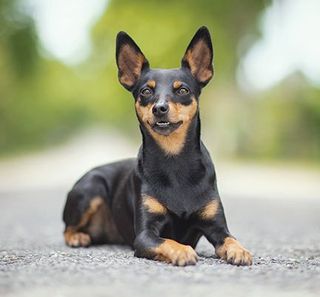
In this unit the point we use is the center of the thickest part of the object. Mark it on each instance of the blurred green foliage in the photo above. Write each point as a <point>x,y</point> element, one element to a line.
<point>43,101</point>
<point>37,103</point>
<point>284,123</point>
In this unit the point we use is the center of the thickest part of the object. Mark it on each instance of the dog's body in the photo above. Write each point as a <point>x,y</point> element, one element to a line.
<point>162,202</point>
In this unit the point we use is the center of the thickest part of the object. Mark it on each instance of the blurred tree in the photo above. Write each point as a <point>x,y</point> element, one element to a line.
<point>18,56</point>
<point>285,123</point>
<point>35,93</point>
<point>42,101</point>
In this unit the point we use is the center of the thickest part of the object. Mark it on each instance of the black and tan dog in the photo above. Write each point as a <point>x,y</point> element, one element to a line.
<point>162,202</point>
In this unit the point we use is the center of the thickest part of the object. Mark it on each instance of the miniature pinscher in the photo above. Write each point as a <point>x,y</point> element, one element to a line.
<point>163,201</point>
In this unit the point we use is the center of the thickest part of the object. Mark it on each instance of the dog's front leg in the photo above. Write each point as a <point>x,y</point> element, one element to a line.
<point>215,228</point>
<point>151,218</point>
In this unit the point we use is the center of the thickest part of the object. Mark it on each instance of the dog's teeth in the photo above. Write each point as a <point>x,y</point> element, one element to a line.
<point>163,123</point>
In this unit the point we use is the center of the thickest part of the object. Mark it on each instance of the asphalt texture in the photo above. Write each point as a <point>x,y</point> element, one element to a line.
<point>284,238</point>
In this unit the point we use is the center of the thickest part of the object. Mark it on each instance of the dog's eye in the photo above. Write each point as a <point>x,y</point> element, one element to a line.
<point>146,92</point>
<point>183,91</point>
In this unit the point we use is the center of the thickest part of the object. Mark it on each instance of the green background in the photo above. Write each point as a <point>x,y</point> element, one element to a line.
<point>43,101</point>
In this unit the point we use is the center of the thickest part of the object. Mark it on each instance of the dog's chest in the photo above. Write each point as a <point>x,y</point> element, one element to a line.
<point>182,184</point>
<point>182,197</point>
<point>185,201</point>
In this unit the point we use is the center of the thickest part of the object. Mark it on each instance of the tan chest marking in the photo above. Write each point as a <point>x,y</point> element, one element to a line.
<point>153,205</point>
<point>210,210</point>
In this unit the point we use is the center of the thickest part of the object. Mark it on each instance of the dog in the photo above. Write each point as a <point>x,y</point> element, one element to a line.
<point>163,201</point>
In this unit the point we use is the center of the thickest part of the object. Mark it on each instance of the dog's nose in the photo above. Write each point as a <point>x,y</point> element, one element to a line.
<point>160,109</point>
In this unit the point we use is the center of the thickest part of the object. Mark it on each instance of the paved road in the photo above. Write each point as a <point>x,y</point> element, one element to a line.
<point>34,261</point>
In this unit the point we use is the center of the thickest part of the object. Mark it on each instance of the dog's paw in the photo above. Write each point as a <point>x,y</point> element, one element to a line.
<point>175,253</point>
<point>77,239</point>
<point>234,253</point>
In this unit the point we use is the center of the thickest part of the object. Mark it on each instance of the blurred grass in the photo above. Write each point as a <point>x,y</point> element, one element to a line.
<point>43,101</point>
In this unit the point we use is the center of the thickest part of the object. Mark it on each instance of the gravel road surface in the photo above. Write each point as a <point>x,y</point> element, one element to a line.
<point>284,237</point>
<point>274,212</point>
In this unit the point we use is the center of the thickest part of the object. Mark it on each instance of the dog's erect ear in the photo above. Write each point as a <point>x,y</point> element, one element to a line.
<point>130,60</point>
<point>199,55</point>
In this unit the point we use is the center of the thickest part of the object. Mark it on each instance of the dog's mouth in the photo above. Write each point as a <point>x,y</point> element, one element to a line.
<point>165,127</point>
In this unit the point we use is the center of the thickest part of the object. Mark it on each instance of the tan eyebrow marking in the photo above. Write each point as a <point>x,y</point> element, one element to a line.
<point>177,84</point>
<point>151,84</point>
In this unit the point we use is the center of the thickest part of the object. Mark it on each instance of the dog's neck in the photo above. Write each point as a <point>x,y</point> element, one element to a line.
<point>152,150</point>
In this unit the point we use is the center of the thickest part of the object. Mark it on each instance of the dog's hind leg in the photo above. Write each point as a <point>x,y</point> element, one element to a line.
<point>88,217</point>
<point>78,213</point>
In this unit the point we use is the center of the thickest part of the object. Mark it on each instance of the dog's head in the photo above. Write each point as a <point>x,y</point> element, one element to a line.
<point>166,100</point>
